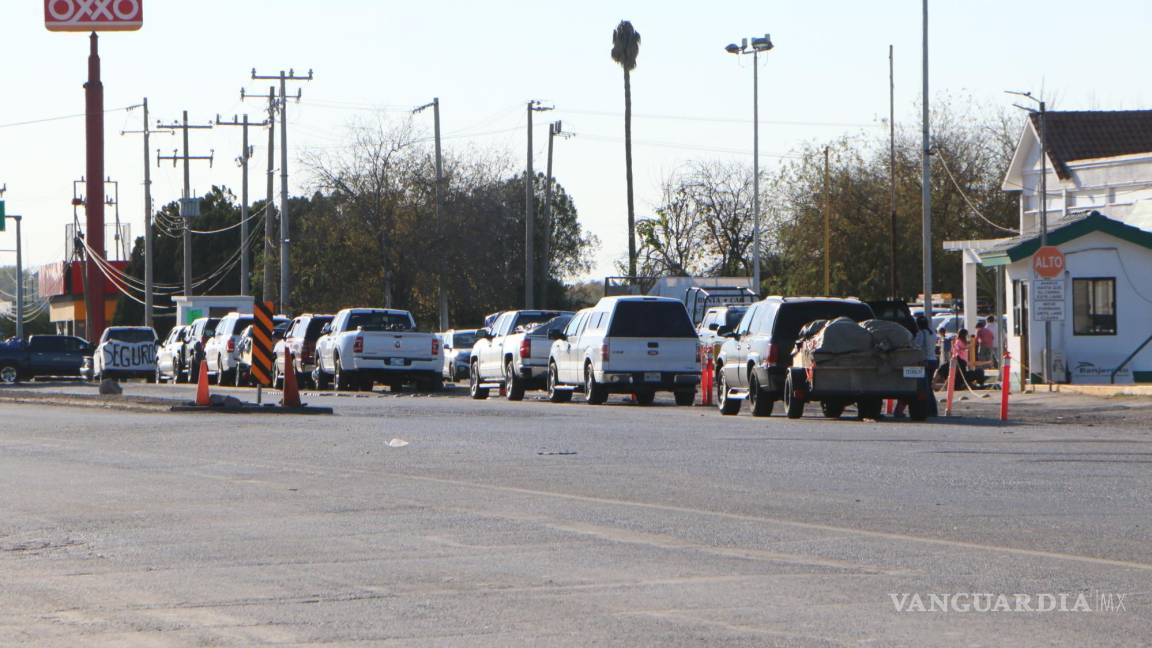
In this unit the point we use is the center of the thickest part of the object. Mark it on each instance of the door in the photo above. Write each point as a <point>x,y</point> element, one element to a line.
<point>490,352</point>
<point>1020,317</point>
<point>734,371</point>
<point>564,351</point>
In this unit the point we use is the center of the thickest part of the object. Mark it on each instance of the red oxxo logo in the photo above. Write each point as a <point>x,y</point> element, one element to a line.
<point>93,15</point>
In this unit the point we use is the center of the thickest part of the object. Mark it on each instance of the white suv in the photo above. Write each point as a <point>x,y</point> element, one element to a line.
<point>222,351</point>
<point>630,345</point>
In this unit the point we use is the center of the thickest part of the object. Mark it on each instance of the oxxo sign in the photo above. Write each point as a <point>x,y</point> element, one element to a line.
<point>93,15</point>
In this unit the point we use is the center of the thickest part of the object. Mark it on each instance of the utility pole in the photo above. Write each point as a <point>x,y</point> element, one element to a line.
<point>148,242</point>
<point>892,287</point>
<point>926,184</point>
<point>285,272</point>
<point>269,288</point>
<point>114,201</point>
<point>827,229</point>
<point>1044,237</point>
<point>188,209</point>
<point>530,215</point>
<point>554,129</point>
<point>245,155</point>
<point>19,267</point>
<point>438,189</point>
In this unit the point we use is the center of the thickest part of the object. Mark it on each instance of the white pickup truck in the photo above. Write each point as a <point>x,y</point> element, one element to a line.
<point>364,346</point>
<point>512,353</point>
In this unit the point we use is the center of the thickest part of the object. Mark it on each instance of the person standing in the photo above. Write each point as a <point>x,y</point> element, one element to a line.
<point>985,344</point>
<point>925,341</point>
<point>960,356</point>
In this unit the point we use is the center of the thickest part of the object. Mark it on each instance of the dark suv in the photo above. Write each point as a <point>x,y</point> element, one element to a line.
<point>758,352</point>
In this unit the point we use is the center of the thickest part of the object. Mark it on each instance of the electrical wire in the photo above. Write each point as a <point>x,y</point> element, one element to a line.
<point>964,195</point>
<point>59,118</point>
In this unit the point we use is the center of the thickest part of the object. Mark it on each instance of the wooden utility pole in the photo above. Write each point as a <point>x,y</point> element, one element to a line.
<point>189,207</point>
<point>245,155</point>
<point>827,229</point>
<point>892,287</point>
<point>269,284</point>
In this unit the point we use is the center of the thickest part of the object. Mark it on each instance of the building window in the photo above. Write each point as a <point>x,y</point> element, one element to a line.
<point>1094,306</point>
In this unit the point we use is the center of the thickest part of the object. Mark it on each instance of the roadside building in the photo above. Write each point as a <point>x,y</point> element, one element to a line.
<point>1099,212</point>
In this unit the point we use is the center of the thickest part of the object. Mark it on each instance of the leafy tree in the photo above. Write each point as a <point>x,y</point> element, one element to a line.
<point>625,50</point>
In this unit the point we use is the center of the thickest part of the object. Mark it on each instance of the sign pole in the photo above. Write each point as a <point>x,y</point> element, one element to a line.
<point>94,205</point>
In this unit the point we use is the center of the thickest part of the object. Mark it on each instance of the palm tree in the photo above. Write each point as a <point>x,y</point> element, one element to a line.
<point>625,49</point>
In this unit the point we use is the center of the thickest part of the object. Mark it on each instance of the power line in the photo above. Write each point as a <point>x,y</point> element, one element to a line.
<point>44,120</point>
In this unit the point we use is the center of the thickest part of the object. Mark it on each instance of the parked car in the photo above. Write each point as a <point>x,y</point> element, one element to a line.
<point>502,355</point>
<point>717,321</point>
<point>199,332</point>
<point>43,355</point>
<point>753,363</point>
<point>952,323</point>
<point>363,346</point>
<point>632,345</point>
<point>243,373</point>
<point>170,355</point>
<point>125,352</point>
<point>221,351</point>
<point>300,340</point>
<point>457,344</point>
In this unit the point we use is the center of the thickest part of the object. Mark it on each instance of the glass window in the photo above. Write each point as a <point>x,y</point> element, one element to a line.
<point>574,325</point>
<point>554,324</point>
<point>1094,306</point>
<point>746,321</point>
<point>380,321</point>
<point>462,340</point>
<point>129,335</point>
<point>732,316</point>
<point>764,318</point>
<point>649,319</point>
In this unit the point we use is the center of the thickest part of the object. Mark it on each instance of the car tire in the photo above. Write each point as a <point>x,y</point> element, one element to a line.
<point>341,379</point>
<point>474,389</point>
<point>221,375</point>
<point>685,398</point>
<point>759,400</point>
<point>159,377</point>
<point>9,374</point>
<point>319,377</point>
<point>869,408</point>
<point>728,406</point>
<point>556,395</point>
<point>514,384</point>
<point>645,397</point>
<point>793,404</point>
<point>594,392</point>
<point>831,408</point>
<point>918,409</point>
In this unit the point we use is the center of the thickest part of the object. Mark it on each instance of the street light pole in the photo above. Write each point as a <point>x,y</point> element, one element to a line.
<point>758,45</point>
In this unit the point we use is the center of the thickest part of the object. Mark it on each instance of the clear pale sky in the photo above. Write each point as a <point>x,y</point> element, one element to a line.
<point>691,100</point>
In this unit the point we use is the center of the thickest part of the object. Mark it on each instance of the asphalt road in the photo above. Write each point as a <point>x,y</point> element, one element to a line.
<point>536,524</point>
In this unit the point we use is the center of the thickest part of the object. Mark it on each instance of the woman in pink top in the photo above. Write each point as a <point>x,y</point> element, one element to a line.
<point>960,355</point>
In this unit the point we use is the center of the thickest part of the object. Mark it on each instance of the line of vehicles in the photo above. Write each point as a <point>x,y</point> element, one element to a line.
<point>633,345</point>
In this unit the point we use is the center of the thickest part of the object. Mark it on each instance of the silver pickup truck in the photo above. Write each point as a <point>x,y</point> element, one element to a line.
<point>512,353</point>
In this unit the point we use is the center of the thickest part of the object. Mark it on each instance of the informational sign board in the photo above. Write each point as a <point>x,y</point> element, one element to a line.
<point>93,15</point>
<point>1048,299</point>
<point>118,355</point>
<point>262,343</point>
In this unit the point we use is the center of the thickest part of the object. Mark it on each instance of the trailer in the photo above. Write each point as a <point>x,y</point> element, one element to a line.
<point>865,378</point>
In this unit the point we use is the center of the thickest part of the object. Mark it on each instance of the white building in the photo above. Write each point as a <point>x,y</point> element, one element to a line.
<point>1099,212</point>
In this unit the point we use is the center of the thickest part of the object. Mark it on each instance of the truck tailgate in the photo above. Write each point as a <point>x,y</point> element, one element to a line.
<point>653,354</point>
<point>397,345</point>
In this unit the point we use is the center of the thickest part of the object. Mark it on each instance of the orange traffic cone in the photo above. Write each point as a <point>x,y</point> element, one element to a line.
<point>202,386</point>
<point>291,390</point>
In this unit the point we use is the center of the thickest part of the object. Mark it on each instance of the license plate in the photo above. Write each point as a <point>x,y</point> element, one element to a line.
<point>396,362</point>
<point>652,376</point>
<point>913,372</point>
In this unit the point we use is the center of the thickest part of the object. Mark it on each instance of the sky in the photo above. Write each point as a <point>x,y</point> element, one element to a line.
<point>827,76</point>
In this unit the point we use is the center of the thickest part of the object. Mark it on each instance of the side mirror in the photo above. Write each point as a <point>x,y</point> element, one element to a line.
<point>557,335</point>
<point>485,333</point>
<point>326,330</point>
<point>723,330</point>
<point>714,326</point>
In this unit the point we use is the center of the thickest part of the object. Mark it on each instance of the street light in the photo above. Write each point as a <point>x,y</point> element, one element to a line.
<point>1043,213</point>
<point>758,45</point>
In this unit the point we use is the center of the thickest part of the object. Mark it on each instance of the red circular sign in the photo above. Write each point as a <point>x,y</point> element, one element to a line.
<point>1048,262</point>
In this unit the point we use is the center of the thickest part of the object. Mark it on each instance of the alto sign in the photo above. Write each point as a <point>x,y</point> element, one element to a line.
<point>93,15</point>
<point>1048,262</point>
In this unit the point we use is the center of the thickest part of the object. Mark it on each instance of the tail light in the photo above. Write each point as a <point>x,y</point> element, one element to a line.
<point>773,354</point>
<point>525,348</point>
<point>358,345</point>
<point>435,346</point>
<point>604,351</point>
<point>231,345</point>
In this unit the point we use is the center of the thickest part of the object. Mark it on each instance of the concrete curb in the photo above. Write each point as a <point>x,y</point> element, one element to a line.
<point>1105,391</point>
<point>249,408</point>
<point>121,403</point>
